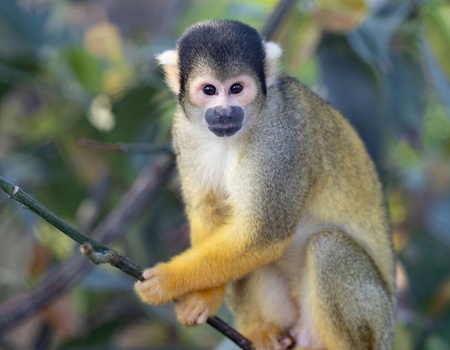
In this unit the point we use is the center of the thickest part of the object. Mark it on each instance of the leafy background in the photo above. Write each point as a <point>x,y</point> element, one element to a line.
<point>85,68</point>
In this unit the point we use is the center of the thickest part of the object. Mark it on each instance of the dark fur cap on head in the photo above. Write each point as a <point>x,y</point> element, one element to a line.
<point>223,44</point>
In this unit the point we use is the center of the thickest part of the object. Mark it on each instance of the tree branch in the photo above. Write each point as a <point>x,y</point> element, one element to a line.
<point>126,265</point>
<point>144,190</point>
<point>276,18</point>
<point>30,203</point>
<point>96,252</point>
<point>123,147</point>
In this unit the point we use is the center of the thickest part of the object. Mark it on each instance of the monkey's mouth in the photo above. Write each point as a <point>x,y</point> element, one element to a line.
<point>222,130</point>
<point>224,121</point>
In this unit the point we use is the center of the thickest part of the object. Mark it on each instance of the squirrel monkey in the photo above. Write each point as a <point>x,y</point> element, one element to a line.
<point>285,208</point>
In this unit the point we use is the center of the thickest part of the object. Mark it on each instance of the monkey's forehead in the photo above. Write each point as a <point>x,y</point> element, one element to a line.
<point>221,72</point>
<point>221,45</point>
<point>220,40</point>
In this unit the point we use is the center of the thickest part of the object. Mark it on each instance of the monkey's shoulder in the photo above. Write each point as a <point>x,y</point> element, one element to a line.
<point>293,89</point>
<point>313,112</point>
<point>299,106</point>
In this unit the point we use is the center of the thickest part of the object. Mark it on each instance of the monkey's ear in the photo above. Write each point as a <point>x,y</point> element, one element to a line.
<point>169,60</point>
<point>273,53</point>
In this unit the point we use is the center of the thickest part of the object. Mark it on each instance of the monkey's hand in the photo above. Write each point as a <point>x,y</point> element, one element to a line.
<point>194,308</point>
<point>154,289</point>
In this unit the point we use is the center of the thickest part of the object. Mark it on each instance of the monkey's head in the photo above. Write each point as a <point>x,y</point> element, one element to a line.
<point>220,72</point>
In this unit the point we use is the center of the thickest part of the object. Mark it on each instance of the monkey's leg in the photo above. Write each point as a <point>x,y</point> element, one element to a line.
<point>194,308</point>
<point>350,302</point>
<point>263,308</point>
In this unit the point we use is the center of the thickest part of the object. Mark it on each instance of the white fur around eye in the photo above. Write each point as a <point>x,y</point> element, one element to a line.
<point>199,98</point>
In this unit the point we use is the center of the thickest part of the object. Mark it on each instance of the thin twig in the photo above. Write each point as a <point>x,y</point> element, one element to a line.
<point>96,258</point>
<point>30,203</point>
<point>113,258</point>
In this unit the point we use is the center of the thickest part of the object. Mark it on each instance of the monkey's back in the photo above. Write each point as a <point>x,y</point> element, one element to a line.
<point>346,193</point>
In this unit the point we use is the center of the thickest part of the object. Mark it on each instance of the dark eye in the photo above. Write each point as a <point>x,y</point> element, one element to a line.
<point>209,90</point>
<point>236,88</point>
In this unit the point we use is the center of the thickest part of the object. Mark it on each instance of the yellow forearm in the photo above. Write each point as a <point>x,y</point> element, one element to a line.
<point>223,257</point>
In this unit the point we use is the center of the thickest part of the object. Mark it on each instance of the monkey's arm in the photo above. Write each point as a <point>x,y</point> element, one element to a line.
<point>230,253</point>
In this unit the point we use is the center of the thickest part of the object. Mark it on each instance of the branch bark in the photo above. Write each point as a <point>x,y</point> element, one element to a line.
<point>17,309</point>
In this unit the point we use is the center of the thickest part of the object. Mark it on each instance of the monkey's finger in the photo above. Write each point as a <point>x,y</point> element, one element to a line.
<point>202,317</point>
<point>195,313</point>
<point>150,273</point>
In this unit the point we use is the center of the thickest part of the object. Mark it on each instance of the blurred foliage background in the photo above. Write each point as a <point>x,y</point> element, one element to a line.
<point>86,68</point>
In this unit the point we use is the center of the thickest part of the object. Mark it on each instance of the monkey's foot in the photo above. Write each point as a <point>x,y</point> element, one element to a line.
<point>194,308</point>
<point>270,337</point>
<point>153,289</point>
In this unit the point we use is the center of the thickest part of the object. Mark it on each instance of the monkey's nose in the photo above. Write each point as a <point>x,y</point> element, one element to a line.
<point>219,111</point>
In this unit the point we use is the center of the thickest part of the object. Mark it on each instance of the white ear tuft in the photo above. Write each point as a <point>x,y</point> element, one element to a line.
<point>273,53</point>
<point>169,60</point>
<point>168,57</point>
<point>273,50</point>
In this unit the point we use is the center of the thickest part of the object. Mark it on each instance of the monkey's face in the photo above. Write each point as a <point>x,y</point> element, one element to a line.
<point>221,72</point>
<point>223,105</point>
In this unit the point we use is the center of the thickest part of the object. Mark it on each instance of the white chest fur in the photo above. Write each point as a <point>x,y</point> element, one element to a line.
<point>211,159</point>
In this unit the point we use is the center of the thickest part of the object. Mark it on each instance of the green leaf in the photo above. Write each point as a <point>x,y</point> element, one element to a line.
<point>436,19</point>
<point>86,68</point>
